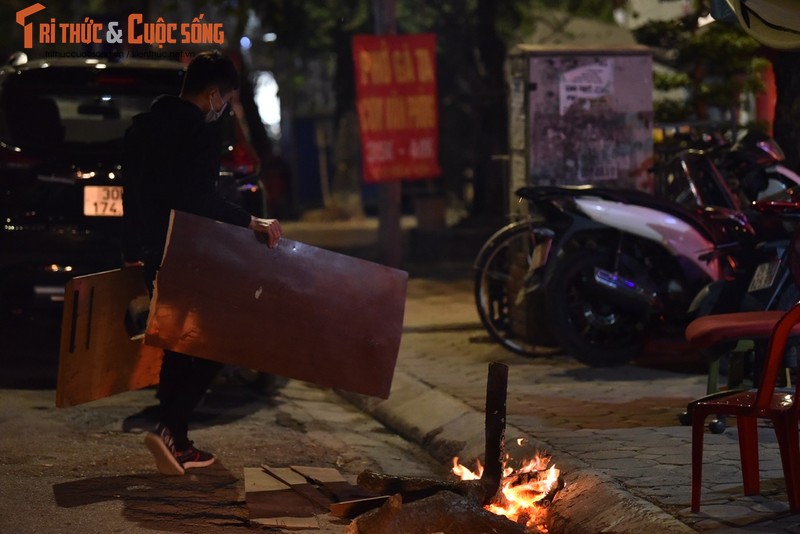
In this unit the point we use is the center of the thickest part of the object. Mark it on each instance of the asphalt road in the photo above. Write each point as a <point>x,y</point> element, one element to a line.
<point>85,469</point>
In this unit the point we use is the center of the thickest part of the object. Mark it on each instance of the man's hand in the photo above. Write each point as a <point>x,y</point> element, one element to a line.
<point>271,228</point>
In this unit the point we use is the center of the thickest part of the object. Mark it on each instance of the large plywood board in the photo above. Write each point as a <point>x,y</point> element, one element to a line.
<point>97,356</point>
<point>294,310</point>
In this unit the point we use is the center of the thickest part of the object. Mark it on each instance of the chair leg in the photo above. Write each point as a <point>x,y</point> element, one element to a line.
<point>789,444</point>
<point>748,452</point>
<point>698,428</point>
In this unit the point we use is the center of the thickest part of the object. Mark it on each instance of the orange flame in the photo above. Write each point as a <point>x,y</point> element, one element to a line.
<point>465,473</point>
<point>521,489</point>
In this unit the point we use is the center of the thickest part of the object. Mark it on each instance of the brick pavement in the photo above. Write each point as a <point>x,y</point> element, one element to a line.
<point>614,432</point>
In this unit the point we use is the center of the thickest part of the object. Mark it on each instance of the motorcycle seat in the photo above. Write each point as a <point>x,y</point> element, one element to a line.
<point>627,196</point>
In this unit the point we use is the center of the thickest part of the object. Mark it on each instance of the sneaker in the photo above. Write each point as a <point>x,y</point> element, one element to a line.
<point>193,457</point>
<point>162,446</point>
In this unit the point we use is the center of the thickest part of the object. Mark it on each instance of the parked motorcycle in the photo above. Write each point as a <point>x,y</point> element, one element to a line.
<point>762,277</point>
<point>769,191</point>
<point>597,270</point>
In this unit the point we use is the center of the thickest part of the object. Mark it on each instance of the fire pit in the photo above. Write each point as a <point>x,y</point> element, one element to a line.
<point>525,491</point>
<point>496,497</point>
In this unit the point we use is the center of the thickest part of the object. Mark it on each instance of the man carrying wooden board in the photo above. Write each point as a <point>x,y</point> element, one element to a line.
<point>172,162</point>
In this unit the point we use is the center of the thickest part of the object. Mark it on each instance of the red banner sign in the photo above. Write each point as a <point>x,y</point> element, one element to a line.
<point>396,102</point>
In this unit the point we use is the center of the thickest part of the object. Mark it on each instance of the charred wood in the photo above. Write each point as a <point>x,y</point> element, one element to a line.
<point>496,393</point>
<point>445,512</point>
<point>414,488</point>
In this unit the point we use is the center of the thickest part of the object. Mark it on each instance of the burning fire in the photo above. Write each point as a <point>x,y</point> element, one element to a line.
<point>521,489</point>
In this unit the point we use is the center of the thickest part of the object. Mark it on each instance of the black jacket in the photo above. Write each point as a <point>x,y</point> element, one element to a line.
<point>171,161</point>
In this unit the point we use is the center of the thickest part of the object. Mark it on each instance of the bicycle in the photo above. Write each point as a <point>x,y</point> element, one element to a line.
<point>508,292</point>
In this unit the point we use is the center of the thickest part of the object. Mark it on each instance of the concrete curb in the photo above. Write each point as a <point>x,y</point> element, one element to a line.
<point>590,502</point>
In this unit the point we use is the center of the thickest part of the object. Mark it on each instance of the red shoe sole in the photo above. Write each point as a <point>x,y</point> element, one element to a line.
<point>166,463</point>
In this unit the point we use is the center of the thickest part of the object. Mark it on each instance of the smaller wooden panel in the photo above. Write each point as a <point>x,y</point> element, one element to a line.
<point>97,356</point>
<point>294,310</point>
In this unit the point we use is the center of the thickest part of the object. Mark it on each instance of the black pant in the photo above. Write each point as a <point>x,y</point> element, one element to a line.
<point>183,381</point>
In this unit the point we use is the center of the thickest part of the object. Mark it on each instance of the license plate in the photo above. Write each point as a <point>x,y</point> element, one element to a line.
<point>764,276</point>
<point>102,201</point>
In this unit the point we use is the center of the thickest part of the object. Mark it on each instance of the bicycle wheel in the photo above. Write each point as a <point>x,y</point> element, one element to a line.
<point>508,292</point>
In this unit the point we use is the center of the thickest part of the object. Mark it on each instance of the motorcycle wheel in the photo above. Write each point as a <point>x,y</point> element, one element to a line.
<point>507,294</point>
<point>587,326</point>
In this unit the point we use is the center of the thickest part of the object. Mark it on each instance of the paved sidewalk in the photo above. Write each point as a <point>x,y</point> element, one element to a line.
<point>614,432</point>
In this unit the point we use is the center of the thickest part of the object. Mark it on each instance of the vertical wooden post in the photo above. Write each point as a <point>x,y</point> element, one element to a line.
<point>496,392</point>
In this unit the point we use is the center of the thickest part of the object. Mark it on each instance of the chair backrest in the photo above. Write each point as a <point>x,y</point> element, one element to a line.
<point>780,336</point>
<point>794,256</point>
<point>774,363</point>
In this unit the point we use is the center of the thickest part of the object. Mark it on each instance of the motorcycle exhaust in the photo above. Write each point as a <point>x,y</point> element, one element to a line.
<point>623,292</point>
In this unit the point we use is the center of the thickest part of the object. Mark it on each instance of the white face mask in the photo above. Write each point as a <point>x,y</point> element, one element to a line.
<point>212,114</point>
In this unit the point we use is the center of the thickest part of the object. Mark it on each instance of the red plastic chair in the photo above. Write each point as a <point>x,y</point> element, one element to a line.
<point>718,335</point>
<point>749,406</point>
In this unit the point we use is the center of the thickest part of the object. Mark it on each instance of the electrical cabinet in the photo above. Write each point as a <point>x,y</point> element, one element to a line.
<point>580,116</point>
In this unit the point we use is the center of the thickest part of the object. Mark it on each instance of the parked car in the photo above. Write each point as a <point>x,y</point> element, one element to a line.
<point>62,123</point>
